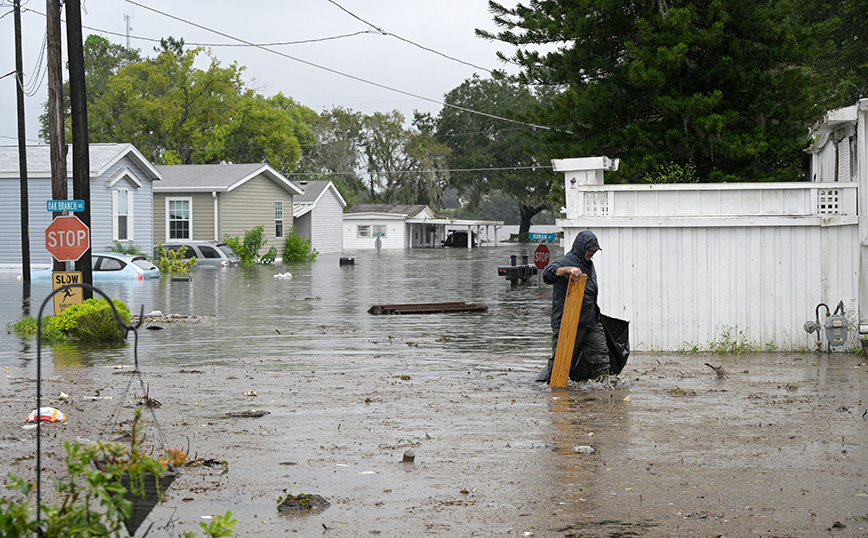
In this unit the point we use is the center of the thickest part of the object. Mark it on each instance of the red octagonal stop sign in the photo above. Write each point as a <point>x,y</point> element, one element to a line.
<point>67,238</point>
<point>541,257</point>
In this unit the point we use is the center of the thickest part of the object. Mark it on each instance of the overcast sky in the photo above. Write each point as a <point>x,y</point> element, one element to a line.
<point>399,63</point>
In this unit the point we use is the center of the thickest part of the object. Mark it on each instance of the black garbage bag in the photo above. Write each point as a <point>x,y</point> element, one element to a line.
<point>617,340</point>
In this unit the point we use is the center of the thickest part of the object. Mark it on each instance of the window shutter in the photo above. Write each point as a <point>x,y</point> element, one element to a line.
<point>130,206</point>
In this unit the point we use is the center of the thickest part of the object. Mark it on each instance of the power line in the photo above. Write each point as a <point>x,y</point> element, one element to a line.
<point>336,72</point>
<point>383,32</point>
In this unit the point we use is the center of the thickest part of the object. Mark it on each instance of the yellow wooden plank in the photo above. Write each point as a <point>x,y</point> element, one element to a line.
<point>567,334</point>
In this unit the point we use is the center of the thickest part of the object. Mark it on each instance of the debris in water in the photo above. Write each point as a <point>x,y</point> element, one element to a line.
<point>585,449</point>
<point>721,373</point>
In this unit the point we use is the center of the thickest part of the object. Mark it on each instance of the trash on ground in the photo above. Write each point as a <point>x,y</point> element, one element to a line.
<point>585,449</point>
<point>47,414</point>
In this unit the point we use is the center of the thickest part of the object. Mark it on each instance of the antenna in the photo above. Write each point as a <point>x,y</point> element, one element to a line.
<point>129,28</point>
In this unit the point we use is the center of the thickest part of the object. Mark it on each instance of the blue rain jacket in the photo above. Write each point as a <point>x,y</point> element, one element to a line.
<point>575,258</point>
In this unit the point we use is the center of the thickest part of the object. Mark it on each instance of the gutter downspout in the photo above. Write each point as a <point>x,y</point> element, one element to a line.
<point>216,231</point>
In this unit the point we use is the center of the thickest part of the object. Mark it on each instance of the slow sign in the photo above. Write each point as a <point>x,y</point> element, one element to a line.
<point>541,257</point>
<point>67,238</point>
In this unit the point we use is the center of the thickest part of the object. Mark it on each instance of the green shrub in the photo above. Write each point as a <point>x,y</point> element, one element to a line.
<point>172,261</point>
<point>91,321</point>
<point>298,248</point>
<point>120,248</point>
<point>248,249</point>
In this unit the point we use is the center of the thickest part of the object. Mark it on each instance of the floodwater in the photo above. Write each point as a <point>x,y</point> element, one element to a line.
<point>776,448</point>
<point>298,317</point>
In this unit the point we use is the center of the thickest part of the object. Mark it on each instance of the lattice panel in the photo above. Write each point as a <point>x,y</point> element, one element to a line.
<point>829,201</point>
<point>596,204</point>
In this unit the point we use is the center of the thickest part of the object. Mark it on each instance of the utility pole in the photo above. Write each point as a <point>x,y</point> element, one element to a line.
<point>80,148</point>
<point>22,156</point>
<point>56,128</point>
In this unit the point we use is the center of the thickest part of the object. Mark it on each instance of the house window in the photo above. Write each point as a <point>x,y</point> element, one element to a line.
<point>178,225</point>
<point>363,230</point>
<point>379,230</point>
<point>122,215</point>
<point>278,219</point>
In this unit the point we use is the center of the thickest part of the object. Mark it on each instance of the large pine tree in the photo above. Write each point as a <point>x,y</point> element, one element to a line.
<point>722,85</point>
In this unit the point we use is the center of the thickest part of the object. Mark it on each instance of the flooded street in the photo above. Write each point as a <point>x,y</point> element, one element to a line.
<point>776,449</point>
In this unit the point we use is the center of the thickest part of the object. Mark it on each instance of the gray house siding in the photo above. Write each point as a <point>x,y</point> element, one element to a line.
<point>302,226</point>
<point>251,205</point>
<point>101,225</point>
<point>327,235</point>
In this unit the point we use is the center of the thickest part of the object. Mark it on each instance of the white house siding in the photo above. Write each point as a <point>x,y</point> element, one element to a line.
<point>251,205</point>
<point>325,231</point>
<point>686,287</point>
<point>395,232</point>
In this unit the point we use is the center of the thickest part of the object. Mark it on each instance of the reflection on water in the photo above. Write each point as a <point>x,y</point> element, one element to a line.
<point>321,310</point>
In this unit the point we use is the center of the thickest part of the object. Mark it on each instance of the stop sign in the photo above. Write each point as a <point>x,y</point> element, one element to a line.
<point>67,238</point>
<point>541,257</point>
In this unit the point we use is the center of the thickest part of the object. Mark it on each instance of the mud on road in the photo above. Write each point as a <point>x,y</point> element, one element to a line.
<point>778,447</point>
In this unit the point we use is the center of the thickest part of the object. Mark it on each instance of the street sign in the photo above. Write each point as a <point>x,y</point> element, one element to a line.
<point>541,237</point>
<point>64,205</point>
<point>67,238</point>
<point>541,257</point>
<point>69,296</point>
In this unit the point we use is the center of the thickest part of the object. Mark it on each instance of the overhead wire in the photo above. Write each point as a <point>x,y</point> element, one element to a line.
<point>385,33</point>
<point>336,72</point>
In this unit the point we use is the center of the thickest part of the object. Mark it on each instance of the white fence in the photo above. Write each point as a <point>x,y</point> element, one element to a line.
<point>702,265</point>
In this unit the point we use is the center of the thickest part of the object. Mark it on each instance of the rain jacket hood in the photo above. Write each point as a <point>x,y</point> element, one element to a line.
<point>586,240</point>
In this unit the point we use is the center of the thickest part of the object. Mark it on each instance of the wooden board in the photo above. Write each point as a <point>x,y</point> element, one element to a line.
<point>567,334</point>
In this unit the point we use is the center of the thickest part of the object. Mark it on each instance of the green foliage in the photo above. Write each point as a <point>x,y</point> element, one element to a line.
<point>90,496</point>
<point>673,173</point>
<point>220,526</point>
<point>177,113</point>
<point>91,321</point>
<point>502,155</point>
<point>298,248</point>
<point>733,341</point>
<point>248,249</point>
<point>121,248</point>
<point>727,85</point>
<point>173,262</point>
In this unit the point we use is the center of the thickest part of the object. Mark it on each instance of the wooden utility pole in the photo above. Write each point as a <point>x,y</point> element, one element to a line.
<point>56,127</point>
<point>80,148</point>
<point>22,154</point>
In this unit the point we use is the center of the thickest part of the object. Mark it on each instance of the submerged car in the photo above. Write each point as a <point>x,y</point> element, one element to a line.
<point>112,267</point>
<point>211,254</point>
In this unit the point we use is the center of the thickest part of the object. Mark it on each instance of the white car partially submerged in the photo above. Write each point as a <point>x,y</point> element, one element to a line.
<point>112,267</point>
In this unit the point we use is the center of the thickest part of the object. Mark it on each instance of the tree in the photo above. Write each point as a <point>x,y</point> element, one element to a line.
<point>721,84</point>
<point>844,60</point>
<point>102,60</point>
<point>336,152</point>
<point>495,155</point>
<point>176,113</point>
